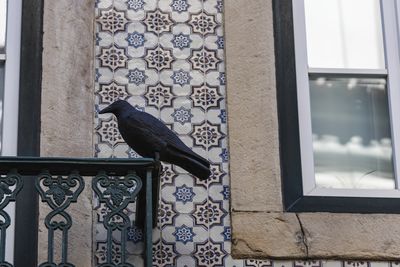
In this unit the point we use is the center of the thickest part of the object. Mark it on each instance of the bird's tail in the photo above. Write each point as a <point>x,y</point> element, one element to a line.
<point>188,162</point>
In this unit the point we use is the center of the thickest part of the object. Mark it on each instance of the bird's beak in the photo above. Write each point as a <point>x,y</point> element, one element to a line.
<point>106,110</point>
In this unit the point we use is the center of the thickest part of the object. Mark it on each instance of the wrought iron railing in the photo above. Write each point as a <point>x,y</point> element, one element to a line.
<point>59,181</point>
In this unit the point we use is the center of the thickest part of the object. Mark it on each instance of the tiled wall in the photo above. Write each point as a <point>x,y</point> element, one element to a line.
<point>166,57</point>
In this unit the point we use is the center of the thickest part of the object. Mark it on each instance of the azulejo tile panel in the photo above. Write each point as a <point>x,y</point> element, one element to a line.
<point>166,57</point>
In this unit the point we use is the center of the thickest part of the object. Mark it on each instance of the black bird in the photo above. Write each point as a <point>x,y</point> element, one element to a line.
<point>150,138</point>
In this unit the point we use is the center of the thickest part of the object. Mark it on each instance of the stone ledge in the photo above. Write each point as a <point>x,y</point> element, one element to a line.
<point>266,235</point>
<point>280,235</point>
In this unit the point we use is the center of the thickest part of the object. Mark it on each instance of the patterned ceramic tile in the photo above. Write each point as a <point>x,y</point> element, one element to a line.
<point>379,264</point>
<point>230,262</point>
<point>356,264</point>
<point>185,261</point>
<point>331,264</point>
<point>210,254</point>
<point>309,263</point>
<point>184,233</point>
<point>184,195</point>
<point>221,233</point>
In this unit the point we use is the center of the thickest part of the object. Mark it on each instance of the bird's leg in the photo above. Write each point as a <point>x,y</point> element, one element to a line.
<point>157,161</point>
<point>157,156</point>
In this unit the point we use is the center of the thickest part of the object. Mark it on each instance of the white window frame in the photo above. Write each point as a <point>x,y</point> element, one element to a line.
<point>390,11</point>
<point>10,101</point>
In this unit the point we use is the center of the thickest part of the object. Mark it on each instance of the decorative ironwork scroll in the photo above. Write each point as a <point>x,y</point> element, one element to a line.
<point>10,185</point>
<point>58,192</point>
<point>116,193</point>
<point>117,182</point>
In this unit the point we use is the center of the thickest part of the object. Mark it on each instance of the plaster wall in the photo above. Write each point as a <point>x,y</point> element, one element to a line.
<point>67,110</point>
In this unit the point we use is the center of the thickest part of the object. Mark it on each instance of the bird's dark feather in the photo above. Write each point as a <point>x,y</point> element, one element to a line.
<point>147,135</point>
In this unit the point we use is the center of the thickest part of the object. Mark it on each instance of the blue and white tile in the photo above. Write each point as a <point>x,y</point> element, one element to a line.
<point>214,7</point>
<point>102,5</point>
<point>210,254</point>
<point>250,263</point>
<point>181,115</point>
<point>181,9</point>
<point>220,192</point>
<point>135,243</point>
<point>182,78</point>
<point>215,116</point>
<point>102,38</point>
<point>221,233</point>
<point>379,264</point>
<point>356,264</point>
<point>184,194</point>
<point>120,150</point>
<point>181,41</point>
<point>185,261</point>
<point>134,8</point>
<point>308,263</point>
<point>283,263</point>
<point>104,75</point>
<point>164,254</point>
<point>184,234</point>
<point>136,260</point>
<point>332,264</point>
<point>220,153</point>
<point>231,262</point>
<point>103,150</point>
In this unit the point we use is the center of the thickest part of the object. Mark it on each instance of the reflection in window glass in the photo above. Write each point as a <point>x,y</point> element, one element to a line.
<point>351,133</point>
<point>3,17</point>
<point>344,34</point>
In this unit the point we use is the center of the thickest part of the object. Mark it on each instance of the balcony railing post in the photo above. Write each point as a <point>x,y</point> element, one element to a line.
<point>149,219</point>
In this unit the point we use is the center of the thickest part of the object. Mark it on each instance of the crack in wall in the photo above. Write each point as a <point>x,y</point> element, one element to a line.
<point>303,237</point>
<point>239,241</point>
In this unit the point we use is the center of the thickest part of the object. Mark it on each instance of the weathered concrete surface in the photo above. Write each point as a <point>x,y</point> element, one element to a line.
<point>267,235</point>
<point>352,236</point>
<point>315,236</point>
<point>252,108</point>
<point>67,108</point>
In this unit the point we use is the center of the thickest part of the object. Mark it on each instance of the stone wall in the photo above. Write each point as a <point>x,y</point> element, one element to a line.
<point>260,227</point>
<point>67,109</point>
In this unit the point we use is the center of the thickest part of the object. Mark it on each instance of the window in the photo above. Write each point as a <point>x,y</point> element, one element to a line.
<point>10,40</point>
<point>339,126</point>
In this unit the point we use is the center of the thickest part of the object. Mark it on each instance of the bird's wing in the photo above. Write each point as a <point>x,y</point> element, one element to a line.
<point>143,132</point>
<point>189,153</point>
<point>187,162</point>
<point>163,134</point>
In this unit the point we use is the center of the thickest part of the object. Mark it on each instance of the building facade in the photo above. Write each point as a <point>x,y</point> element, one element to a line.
<point>216,73</point>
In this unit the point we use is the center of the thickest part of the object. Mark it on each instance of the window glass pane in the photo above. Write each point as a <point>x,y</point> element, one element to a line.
<point>344,34</point>
<point>3,17</point>
<point>351,133</point>
<point>2,69</point>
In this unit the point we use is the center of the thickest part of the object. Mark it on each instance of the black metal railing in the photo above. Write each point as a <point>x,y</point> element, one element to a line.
<point>59,182</point>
